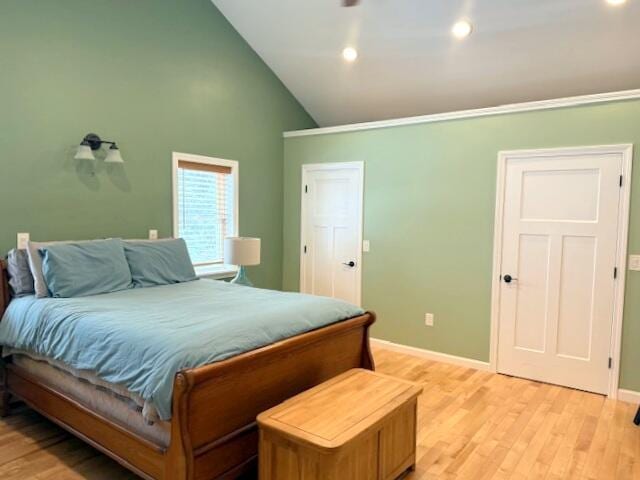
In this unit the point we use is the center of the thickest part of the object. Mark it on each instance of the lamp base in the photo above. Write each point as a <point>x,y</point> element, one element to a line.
<point>241,278</point>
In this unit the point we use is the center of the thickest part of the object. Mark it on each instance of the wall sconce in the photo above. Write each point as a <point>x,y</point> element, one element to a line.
<point>92,142</point>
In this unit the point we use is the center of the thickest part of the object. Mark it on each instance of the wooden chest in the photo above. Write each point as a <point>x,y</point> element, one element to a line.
<point>358,425</point>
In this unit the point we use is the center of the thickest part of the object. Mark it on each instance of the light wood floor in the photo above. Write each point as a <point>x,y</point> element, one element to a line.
<point>472,425</point>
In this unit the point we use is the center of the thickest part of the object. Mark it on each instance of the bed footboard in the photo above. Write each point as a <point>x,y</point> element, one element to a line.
<point>213,428</point>
<point>214,432</point>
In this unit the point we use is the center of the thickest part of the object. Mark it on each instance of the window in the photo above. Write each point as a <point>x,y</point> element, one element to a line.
<point>205,208</point>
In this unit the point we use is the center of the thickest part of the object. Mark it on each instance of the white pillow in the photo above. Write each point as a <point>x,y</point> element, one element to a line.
<point>35,264</point>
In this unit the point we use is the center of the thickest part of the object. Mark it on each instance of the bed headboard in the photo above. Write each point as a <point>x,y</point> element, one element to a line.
<point>5,298</point>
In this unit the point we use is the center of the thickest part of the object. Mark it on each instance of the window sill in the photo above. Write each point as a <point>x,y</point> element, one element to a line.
<point>216,271</point>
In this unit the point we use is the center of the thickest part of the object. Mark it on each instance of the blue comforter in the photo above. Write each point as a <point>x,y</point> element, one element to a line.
<point>141,338</point>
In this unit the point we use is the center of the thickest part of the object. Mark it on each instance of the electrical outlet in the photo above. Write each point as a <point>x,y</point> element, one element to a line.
<point>23,238</point>
<point>153,234</point>
<point>634,263</point>
<point>428,319</point>
<point>365,246</point>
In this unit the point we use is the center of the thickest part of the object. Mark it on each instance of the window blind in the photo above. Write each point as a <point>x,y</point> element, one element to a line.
<point>204,167</point>
<point>205,209</point>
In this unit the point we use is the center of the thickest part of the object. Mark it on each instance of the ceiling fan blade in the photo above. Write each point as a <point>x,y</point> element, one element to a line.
<point>350,3</point>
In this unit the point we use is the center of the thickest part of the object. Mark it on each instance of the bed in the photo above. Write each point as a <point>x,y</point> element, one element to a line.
<point>210,429</point>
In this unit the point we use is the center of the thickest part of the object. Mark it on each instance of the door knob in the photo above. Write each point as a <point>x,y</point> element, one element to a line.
<point>508,279</point>
<point>350,264</point>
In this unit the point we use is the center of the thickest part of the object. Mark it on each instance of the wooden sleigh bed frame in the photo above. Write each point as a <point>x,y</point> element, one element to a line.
<point>213,423</point>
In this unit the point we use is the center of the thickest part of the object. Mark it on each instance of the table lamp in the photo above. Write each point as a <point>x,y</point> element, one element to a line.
<point>243,252</point>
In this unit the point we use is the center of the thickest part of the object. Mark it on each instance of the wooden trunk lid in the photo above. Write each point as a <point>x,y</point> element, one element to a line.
<point>336,412</point>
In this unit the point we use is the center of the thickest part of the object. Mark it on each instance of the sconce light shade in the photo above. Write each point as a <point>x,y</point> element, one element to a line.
<point>114,156</point>
<point>84,152</point>
<point>91,142</point>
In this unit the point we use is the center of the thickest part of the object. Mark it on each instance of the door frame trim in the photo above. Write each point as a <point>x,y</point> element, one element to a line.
<point>626,152</point>
<point>314,167</point>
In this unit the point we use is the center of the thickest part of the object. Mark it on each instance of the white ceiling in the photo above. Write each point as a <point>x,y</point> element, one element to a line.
<point>409,63</point>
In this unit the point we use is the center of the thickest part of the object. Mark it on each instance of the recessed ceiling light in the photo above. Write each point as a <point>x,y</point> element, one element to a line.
<point>616,2</point>
<point>350,54</point>
<point>461,29</point>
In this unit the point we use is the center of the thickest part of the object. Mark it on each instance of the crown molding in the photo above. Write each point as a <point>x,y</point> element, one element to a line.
<point>479,112</point>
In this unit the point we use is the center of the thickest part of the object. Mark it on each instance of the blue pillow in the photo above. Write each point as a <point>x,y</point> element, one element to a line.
<point>86,268</point>
<point>159,262</point>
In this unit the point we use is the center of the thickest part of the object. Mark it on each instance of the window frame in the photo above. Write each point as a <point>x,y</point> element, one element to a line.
<point>216,270</point>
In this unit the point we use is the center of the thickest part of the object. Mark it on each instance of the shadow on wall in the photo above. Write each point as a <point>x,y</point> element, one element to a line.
<point>89,172</point>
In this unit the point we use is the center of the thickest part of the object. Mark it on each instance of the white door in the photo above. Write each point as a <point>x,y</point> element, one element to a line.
<point>559,251</point>
<point>332,230</point>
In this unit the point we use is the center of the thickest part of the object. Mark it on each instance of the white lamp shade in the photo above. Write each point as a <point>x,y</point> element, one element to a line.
<point>84,153</point>
<point>114,156</point>
<point>242,251</point>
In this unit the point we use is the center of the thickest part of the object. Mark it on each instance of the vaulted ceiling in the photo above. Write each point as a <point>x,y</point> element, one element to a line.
<point>410,64</point>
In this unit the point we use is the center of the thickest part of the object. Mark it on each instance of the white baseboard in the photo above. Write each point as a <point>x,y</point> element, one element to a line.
<point>629,396</point>
<point>431,355</point>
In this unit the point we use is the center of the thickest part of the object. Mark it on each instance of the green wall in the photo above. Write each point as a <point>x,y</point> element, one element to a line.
<point>429,214</point>
<point>155,75</point>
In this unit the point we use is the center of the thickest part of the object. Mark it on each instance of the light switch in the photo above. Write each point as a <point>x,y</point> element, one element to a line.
<point>428,319</point>
<point>23,238</point>
<point>153,234</point>
<point>365,245</point>
<point>634,263</point>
